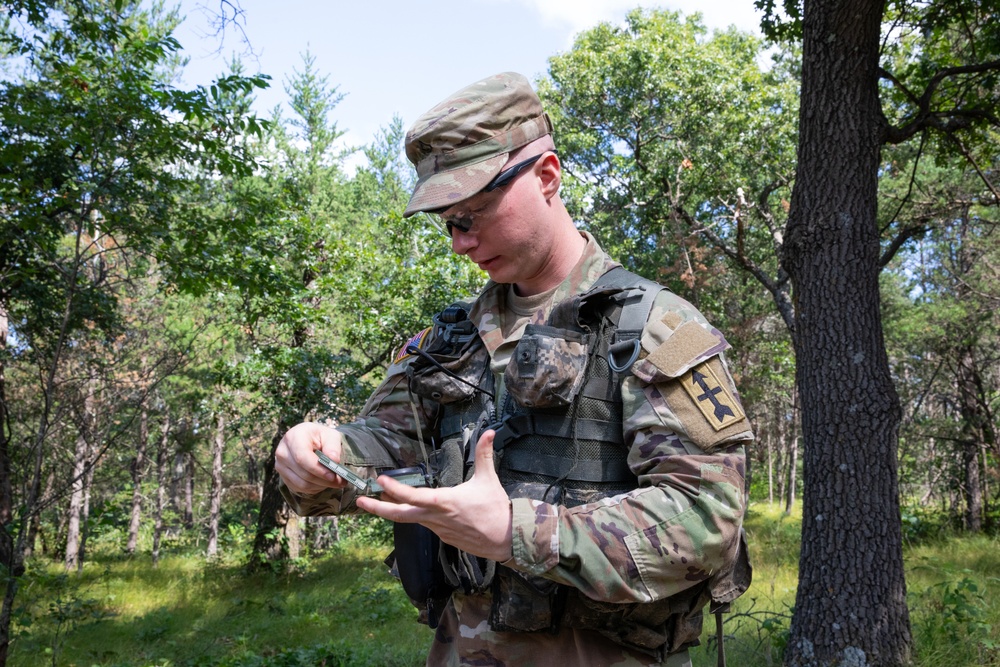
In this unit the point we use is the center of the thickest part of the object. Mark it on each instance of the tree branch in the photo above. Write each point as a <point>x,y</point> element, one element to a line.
<point>907,233</point>
<point>946,121</point>
<point>777,288</point>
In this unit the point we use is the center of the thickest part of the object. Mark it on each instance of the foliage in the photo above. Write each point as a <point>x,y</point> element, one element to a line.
<point>662,128</point>
<point>679,147</point>
<point>189,612</point>
<point>366,529</point>
<point>344,608</point>
<point>953,604</point>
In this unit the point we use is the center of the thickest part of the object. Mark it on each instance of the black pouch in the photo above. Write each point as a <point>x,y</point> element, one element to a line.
<point>450,369</point>
<point>523,603</point>
<point>415,561</point>
<point>548,366</point>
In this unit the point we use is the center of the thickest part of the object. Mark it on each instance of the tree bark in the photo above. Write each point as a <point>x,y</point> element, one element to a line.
<point>793,452</point>
<point>770,469</point>
<point>271,543</point>
<point>161,486</point>
<point>88,485</point>
<point>75,504</point>
<point>6,487</point>
<point>215,502</point>
<point>850,603</point>
<point>11,559</point>
<point>189,490</point>
<point>79,498</point>
<point>138,463</point>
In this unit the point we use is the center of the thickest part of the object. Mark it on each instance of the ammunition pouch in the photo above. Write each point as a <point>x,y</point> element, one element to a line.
<point>452,371</point>
<point>655,628</point>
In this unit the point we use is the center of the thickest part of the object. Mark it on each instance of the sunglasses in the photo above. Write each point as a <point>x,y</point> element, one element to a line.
<point>464,223</point>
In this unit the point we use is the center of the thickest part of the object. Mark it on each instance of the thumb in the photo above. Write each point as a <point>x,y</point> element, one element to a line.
<point>484,455</point>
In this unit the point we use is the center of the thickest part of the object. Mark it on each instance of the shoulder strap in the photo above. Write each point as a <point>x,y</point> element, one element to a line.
<point>635,311</point>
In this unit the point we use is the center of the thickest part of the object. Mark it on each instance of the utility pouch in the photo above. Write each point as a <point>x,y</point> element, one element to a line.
<point>415,561</point>
<point>462,570</point>
<point>523,603</point>
<point>450,369</point>
<point>548,366</point>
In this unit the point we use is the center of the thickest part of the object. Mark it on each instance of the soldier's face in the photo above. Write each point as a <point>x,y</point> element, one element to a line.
<point>507,238</point>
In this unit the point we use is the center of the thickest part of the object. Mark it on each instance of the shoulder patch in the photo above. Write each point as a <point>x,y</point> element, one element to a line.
<point>712,397</point>
<point>416,341</point>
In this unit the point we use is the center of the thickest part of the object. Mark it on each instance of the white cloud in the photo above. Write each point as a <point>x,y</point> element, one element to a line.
<point>579,15</point>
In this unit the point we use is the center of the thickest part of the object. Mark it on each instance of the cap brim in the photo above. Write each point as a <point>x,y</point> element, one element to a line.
<point>447,188</point>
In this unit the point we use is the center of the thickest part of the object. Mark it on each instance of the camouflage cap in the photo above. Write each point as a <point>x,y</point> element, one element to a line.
<point>460,144</point>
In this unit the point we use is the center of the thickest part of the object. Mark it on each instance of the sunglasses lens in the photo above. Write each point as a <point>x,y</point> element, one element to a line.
<point>463,225</point>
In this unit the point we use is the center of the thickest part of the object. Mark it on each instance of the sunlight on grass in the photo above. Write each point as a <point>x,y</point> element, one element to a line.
<point>344,609</point>
<point>186,611</point>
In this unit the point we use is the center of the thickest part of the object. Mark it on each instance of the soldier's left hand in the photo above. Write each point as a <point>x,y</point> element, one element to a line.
<point>474,516</point>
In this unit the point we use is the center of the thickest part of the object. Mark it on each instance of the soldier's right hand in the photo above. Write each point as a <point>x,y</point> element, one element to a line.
<point>295,459</point>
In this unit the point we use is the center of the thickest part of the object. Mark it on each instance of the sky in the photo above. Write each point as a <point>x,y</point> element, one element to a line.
<point>400,57</point>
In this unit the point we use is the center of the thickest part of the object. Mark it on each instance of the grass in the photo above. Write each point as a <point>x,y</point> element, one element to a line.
<point>185,612</point>
<point>345,610</point>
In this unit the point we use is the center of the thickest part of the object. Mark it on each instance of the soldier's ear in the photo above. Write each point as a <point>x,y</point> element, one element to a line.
<point>549,172</point>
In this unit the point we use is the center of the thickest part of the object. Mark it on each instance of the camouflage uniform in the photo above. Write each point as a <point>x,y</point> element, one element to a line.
<point>685,431</point>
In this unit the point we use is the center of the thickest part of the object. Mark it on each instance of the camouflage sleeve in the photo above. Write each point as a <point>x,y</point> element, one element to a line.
<point>686,431</point>
<point>387,435</point>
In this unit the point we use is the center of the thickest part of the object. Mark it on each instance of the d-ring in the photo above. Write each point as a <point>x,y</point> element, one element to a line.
<point>621,347</point>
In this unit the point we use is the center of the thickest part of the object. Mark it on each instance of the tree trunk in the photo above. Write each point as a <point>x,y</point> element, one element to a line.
<point>10,563</point>
<point>189,490</point>
<point>326,532</point>
<point>271,544</point>
<point>793,452</point>
<point>177,478</point>
<point>215,502</point>
<point>770,469</point>
<point>850,605</point>
<point>78,502</point>
<point>75,504</point>
<point>88,484</point>
<point>974,421</point>
<point>6,487</point>
<point>35,520</point>
<point>972,487</point>
<point>161,486</point>
<point>985,476</point>
<point>783,456</point>
<point>138,463</point>
<point>71,557</point>
<point>793,469</point>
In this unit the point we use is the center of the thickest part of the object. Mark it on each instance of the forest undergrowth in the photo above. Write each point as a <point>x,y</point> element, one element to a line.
<point>343,609</point>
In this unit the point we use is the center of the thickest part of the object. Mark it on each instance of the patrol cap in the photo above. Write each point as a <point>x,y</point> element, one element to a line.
<point>460,144</point>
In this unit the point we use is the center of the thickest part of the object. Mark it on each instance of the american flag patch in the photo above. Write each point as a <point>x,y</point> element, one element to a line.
<point>417,341</point>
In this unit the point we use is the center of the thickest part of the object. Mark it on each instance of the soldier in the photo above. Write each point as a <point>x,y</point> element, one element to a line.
<point>585,431</point>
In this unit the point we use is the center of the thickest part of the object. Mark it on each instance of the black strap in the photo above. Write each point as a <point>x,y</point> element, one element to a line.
<point>719,609</point>
<point>624,350</point>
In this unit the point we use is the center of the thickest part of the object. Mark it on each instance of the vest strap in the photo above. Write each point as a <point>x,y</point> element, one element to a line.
<point>558,467</point>
<point>635,311</point>
<point>558,426</point>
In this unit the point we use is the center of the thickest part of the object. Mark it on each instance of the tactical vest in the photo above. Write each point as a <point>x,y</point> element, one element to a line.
<point>558,439</point>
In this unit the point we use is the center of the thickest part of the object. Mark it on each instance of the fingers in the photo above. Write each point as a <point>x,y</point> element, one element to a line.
<point>396,494</point>
<point>393,511</point>
<point>295,459</point>
<point>484,457</point>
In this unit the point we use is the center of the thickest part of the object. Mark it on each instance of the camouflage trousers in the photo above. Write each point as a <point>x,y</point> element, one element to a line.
<point>464,639</point>
<point>679,659</point>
